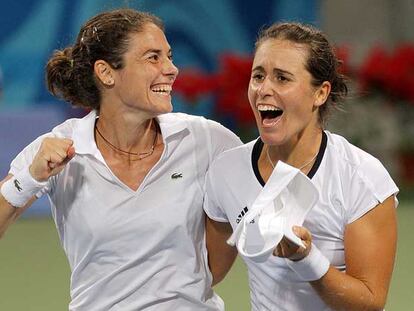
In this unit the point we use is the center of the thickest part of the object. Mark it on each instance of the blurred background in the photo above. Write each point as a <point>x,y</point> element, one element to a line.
<point>212,43</point>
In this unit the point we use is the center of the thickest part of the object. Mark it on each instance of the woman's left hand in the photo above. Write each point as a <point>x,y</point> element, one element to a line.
<point>290,250</point>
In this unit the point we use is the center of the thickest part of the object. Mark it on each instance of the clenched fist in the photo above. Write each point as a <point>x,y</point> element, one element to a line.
<point>54,153</point>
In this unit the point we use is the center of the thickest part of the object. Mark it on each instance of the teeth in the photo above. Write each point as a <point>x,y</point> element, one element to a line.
<point>268,108</point>
<point>162,89</point>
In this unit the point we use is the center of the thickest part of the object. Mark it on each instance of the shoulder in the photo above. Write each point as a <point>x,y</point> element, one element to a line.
<point>237,152</point>
<point>362,176</point>
<point>196,122</point>
<point>239,156</point>
<point>205,131</point>
<point>352,156</point>
<point>181,117</point>
<point>64,129</point>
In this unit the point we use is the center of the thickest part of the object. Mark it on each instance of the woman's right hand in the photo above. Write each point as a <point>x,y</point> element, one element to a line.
<point>288,249</point>
<point>53,155</point>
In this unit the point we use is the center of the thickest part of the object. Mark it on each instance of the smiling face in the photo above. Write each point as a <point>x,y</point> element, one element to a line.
<point>281,95</point>
<point>145,82</point>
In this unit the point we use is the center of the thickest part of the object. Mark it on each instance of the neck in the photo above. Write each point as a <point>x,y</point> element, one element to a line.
<point>135,142</point>
<point>300,153</point>
<point>127,129</point>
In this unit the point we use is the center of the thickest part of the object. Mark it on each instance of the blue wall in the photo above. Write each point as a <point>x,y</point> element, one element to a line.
<point>198,31</point>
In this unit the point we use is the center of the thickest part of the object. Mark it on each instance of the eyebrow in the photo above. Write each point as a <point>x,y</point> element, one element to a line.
<point>156,51</point>
<point>275,70</point>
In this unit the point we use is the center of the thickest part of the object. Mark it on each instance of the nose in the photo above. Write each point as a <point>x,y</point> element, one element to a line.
<point>170,69</point>
<point>265,88</point>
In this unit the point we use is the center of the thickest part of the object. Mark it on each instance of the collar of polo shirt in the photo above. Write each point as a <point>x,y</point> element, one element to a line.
<point>83,132</point>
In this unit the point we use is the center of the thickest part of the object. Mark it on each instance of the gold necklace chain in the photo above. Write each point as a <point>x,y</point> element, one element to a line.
<point>300,168</point>
<point>140,155</point>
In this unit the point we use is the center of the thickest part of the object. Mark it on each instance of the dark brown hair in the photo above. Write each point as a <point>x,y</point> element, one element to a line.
<point>322,62</point>
<point>70,72</point>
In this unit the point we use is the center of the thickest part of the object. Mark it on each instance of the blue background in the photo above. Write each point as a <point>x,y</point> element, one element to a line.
<point>198,31</point>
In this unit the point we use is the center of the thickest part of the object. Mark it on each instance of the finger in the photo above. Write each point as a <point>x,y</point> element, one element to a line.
<point>283,249</point>
<point>52,152</point>
<point>291,247</point>
<point>68,158</point>
<point>65,148</point>
<point>58,165</point>
<point>58,154</point>
<point>53,141</point>
<point>57,143</point>
<point>303,233</point>
<point>66,151</point>
<point>55,160</point>
<point>71,152</point>
<point>277,251</point>
<point>67,141</point>
<point>57,157</point>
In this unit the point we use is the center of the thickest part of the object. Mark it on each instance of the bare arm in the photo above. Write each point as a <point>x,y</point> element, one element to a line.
<point>370,246</point>
<point>221,256</point>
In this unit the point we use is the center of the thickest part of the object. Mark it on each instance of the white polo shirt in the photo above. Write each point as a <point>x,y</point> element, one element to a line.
<point>136,250</point>
<point>350,183</point>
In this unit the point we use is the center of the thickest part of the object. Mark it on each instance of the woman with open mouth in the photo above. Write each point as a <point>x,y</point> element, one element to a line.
<point>348,254</point>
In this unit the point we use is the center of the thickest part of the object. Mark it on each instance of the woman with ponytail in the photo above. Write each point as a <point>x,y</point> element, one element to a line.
<point>125,182</point>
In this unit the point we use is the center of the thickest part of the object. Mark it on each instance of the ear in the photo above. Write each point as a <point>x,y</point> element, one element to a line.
<point>104,73</point>
<point>322,93</point>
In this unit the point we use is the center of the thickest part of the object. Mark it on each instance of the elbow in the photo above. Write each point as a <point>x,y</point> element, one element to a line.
<point>375,304</point>
<point>379,299</point>
<point>372,306</point>
<point>217,276</point>
<point>3,228</point>
<point>2,231</point>
<point>378,305</point>
<point>6,220</point>
<point>220,269</point>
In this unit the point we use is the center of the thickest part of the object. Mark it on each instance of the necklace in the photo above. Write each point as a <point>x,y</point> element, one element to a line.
<point>140,155</point>
<point>300,168</point>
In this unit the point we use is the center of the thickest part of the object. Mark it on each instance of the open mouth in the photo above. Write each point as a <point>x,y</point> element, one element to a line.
<point>162,89</point>
<point>269,114</point>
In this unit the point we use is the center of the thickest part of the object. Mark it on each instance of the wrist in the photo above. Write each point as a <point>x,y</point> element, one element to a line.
<point>314,266</point>
<point>20,188</point>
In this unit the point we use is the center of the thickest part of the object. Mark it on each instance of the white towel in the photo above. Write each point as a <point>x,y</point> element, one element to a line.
<point>284,201</point>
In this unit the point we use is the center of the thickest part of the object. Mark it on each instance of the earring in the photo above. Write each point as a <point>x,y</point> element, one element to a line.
<point>109,82</point>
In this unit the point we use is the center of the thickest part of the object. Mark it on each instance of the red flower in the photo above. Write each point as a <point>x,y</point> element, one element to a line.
<point>391,73</point>
<point>193,84</point>
<point>401,73</point>
<point>342,53</point>
<point>229,86</point>
<point>374,71</point>
<point>233,82</point>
